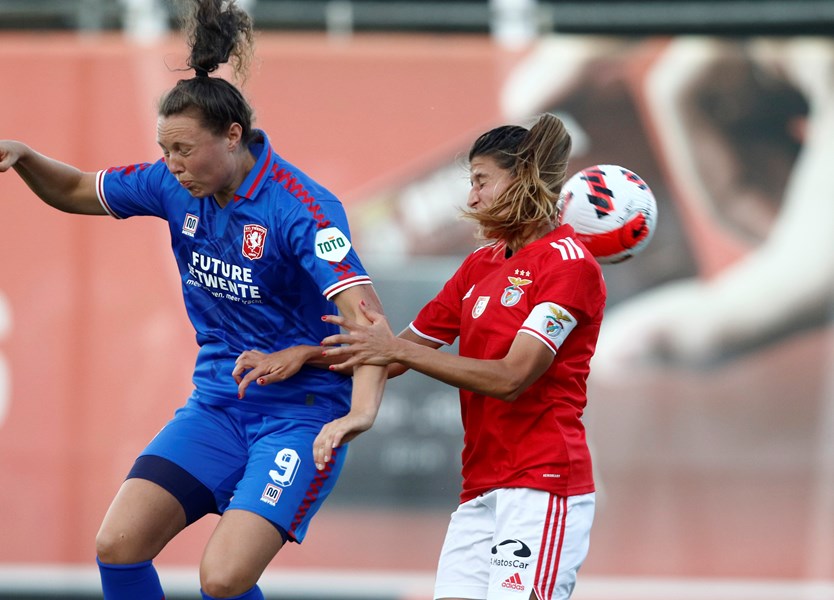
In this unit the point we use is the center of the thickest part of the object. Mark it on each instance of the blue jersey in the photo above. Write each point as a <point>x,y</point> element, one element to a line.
<point>256,274</point>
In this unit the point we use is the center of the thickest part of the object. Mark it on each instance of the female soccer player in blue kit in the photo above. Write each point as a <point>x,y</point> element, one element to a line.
<point>263,252</point>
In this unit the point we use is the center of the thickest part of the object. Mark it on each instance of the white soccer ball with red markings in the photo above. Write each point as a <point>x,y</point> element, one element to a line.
<point>612,209</point>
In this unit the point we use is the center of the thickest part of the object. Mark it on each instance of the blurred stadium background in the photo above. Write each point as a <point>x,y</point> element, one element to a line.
<point>711,405</point>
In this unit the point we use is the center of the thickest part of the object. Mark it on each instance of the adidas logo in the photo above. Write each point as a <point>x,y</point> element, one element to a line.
<point>569,249</point>
<point>513,583</point>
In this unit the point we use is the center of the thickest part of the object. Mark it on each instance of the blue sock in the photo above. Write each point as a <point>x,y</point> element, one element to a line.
<point>138,581</point>
<point>253,594</point>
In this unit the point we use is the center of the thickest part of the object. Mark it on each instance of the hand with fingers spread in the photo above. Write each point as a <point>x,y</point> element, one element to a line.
<point>373,344</point>
<point>268,368</point>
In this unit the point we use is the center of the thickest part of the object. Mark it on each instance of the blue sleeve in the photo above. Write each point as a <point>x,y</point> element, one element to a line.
<point>135,190</point>
<point>318,235</point>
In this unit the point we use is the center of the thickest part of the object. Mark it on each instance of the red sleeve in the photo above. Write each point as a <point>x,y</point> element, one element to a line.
<point>578,286</point>
<point>439,320</point>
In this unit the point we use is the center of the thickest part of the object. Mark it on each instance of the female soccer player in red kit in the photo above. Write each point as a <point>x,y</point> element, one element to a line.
<point>527,308</point>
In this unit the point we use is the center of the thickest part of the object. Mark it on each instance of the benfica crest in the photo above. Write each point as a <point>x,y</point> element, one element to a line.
<point>512,293</point>
<point>554,323</point>
<point>480,306</point>
<point>254,237</point>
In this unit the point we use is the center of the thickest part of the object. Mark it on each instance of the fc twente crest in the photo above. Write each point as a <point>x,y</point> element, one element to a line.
<point>254,237</point>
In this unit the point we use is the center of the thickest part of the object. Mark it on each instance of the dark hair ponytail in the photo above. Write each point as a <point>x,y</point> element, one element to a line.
<point>218,32</point>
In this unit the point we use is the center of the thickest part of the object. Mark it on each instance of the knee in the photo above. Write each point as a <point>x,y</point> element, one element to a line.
<point>218,587</point>
<point>110,547</point>
<point>116,547</point>
<point>223,582</point>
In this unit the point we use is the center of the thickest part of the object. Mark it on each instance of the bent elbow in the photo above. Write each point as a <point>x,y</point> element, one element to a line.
<point>511,391</point>
<point>509,397</point>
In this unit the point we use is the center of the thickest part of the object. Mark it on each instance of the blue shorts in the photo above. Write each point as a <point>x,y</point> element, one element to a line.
<point>214,458</point>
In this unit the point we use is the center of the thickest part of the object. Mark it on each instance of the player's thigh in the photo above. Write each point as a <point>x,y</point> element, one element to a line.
<point>141,520</point>
<point>541,541</point>
<point>198,456</point>
<point>238,551</point>
<point>463,566</point>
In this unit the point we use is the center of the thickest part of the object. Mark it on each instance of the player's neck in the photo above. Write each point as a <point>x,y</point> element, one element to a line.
<point>536,235</point>
<point>227,194</point>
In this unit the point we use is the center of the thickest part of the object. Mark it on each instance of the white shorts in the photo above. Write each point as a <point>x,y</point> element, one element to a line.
<point>515,544</point>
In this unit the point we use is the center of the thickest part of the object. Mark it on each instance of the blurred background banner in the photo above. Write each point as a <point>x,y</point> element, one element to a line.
<point>711,400</point>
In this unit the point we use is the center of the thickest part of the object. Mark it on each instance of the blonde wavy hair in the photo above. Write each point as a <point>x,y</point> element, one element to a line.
<point>537,160</point>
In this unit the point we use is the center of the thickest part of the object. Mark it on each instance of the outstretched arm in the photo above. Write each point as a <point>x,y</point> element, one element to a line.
<point>504,378</point>
<point>254,366</point>
<point>60,185</point>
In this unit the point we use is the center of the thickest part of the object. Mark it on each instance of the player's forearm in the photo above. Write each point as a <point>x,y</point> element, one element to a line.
<point>396,369</point>
<point>313,357</point>
<point>60,185</point>
<point>368,385</point>
<point>489,377</point>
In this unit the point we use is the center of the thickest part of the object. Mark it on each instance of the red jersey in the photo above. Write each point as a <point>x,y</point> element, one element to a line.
<point>553,290</point>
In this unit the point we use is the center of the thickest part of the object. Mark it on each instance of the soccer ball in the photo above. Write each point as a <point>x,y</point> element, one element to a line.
<point>612,210</point>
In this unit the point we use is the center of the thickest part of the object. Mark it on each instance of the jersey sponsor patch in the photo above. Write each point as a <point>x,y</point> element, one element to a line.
<point>550,322</point>
<point>271,494</point>
<point>189,226</point>
<point>331,244</point>
<point>512,546</point>
<point>254,237</point>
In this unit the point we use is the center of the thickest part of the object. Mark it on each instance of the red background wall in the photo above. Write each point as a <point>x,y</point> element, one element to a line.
<point>716,473</point>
